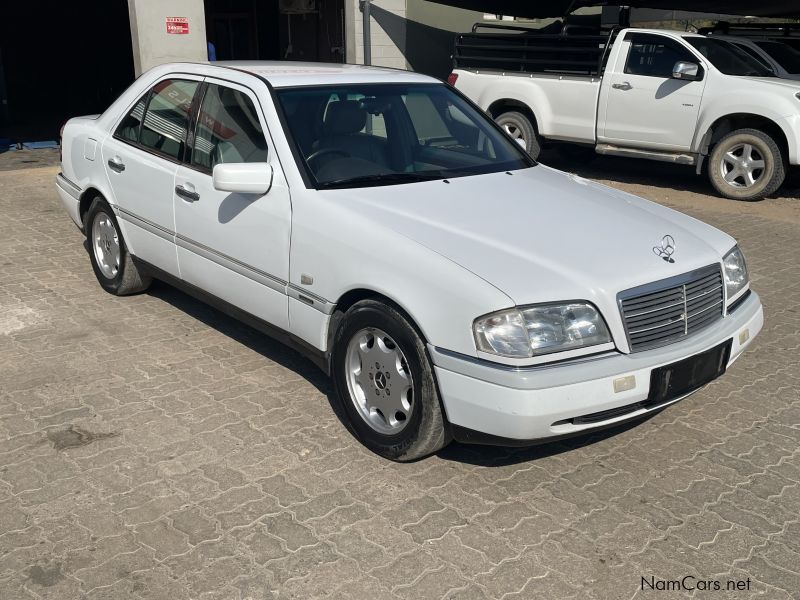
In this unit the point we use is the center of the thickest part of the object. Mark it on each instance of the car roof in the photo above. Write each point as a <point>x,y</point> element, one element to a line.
<point>291,73</point>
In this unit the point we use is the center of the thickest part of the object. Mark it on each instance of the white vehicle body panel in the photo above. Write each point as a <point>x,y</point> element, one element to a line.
<point>656,114</point>
<point>446,252</point>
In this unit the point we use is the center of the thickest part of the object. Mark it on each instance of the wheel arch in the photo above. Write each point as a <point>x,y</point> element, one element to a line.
<point>724,125</point>
<point>88,195</point>
<point>498,107</point>
<point>355,295</point>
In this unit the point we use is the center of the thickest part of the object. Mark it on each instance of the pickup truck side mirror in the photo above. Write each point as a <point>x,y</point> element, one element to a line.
<point>242,178</point>
<point>686,71</point>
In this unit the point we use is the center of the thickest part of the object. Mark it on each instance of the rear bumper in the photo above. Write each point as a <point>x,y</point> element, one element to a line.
<point>511,405</point>
<point>70,195</point>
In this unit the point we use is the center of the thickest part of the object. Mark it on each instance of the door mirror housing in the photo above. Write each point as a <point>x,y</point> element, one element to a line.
<point>686,71</point>
<point>243,178</point>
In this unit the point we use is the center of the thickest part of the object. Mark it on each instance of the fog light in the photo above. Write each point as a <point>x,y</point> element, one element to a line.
<point>744,335</point>
<point>623,384</point>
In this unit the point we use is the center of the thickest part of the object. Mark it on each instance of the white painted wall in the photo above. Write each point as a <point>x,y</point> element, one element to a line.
<point>384,51</point>
<point>152,45</point>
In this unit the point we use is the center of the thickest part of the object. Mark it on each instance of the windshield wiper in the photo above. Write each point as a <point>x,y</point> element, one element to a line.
<point>380,179</point>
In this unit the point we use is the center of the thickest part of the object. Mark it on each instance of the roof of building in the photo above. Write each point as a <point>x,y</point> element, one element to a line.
<point>291,73</point>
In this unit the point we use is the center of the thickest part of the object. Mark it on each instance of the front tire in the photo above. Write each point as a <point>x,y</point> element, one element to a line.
<point>520,129</point>
<point>385,384</point>
<point>747,164</point>
<point>112,263</point>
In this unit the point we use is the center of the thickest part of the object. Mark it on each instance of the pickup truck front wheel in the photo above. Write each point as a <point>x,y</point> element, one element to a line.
<point>746,164</point>
<point>521,130</point>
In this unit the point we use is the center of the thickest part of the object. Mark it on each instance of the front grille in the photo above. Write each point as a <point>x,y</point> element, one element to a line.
<point>666,311</point>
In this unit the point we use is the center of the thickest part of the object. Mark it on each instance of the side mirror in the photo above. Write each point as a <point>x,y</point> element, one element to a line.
<point>242,178</point>
<point>687,71</point>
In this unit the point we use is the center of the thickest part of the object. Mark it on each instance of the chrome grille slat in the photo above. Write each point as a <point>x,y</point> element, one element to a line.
<point>667,311</point>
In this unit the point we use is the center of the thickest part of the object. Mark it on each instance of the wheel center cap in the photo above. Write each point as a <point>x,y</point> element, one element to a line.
<point>380,381</point>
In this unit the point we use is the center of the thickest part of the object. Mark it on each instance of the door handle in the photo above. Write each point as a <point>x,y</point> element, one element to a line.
<point>187,194</point>
<point>116,165</point>
<point>622,86</point>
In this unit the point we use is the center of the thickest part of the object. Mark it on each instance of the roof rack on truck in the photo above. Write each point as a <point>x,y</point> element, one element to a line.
<point>519,49</point>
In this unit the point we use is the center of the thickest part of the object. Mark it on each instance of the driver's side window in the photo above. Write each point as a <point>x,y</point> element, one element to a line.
<point>655,56</point>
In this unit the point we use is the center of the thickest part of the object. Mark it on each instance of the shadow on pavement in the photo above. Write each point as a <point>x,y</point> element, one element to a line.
<point>666,176</point>
<point>497,456</point>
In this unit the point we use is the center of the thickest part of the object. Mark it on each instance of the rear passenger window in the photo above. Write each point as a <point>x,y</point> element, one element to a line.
<point>228,130</point>
<point>129,128</point>
<point>166,121</point>
<point>655,56</point>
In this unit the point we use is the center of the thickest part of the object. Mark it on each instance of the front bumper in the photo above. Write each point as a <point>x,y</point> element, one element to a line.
<point>512,404</point>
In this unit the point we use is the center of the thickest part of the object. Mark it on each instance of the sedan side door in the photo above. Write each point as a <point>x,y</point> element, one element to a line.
<point>641,105</point>
<point>235,246</point>
<point>141,159</point>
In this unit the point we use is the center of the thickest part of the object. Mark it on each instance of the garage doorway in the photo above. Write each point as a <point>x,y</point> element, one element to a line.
<point>307,30</point>
<point>59,60</point>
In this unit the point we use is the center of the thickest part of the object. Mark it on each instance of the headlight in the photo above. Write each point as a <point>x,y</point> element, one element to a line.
<point>526,332</point>
<point>735,269</point>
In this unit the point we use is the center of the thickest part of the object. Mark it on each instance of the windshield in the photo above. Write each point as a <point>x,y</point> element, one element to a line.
<point>784,55</point>
<point>381,134</point>
<point>729,58</point>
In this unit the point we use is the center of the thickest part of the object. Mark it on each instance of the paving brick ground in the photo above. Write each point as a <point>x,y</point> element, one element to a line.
<point>152,448</point>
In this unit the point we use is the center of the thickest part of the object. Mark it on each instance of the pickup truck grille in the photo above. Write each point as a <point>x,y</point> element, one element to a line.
<point>666,311</point>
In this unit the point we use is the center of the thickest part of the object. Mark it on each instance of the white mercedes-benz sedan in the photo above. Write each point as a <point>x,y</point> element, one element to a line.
<point>380,223</point>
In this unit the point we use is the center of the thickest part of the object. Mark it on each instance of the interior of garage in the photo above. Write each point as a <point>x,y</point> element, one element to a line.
<point>58,60</point>
<point>307,30</point>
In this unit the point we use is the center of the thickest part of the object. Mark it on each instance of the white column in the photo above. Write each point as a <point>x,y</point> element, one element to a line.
<point>153,45</point>
<point>385,52</point>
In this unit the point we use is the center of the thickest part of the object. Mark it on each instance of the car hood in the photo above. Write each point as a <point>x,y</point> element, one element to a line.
<point>541,235</point>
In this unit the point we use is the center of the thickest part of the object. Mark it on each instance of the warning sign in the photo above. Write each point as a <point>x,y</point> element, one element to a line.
<point>177,25</point>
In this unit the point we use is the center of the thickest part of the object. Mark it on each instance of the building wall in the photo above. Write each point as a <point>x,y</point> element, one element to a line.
<point>388,33</point>
<point>152,45</point>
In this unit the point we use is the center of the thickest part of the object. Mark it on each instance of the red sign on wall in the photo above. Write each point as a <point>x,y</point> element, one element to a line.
<point>177,25</point>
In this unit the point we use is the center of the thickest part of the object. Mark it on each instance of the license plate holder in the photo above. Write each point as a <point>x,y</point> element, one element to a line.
<point>680,378</point>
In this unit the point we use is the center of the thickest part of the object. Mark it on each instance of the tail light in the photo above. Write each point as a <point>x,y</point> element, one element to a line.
<point>60,142</point>
<point>452,78</point>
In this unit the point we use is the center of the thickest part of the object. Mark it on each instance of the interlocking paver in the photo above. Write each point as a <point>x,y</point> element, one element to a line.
<point>152,448</point>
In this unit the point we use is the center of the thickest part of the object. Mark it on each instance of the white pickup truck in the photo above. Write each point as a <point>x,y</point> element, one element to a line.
<point>661,95</point>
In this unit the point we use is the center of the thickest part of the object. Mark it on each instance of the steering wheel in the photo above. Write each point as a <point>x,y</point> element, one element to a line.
<point>325,152</point>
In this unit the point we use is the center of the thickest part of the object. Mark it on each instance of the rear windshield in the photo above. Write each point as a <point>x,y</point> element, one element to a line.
<point>728,58</point>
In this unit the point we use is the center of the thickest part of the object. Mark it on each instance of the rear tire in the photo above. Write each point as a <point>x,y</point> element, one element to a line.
<point>385,383</point>
<point>112,263</point>
<point>519,128</point>
<point>746,164</point>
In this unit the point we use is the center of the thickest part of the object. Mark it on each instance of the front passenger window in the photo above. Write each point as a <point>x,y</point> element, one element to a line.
<point>228,130</point>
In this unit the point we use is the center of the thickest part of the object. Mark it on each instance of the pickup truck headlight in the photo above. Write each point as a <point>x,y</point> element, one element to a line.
<point>735,269</point>
<point>529,331</point>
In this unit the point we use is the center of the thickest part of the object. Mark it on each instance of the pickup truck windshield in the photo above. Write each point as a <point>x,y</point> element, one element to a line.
<point>784,55</point>
<point>729,58</point>
<point>364,135</point>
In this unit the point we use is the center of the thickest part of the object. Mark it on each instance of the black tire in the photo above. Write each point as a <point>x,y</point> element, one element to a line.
<point>517,125</point>
<point>425,431</point>
<point>128,279</point>
<point>767,180</point>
